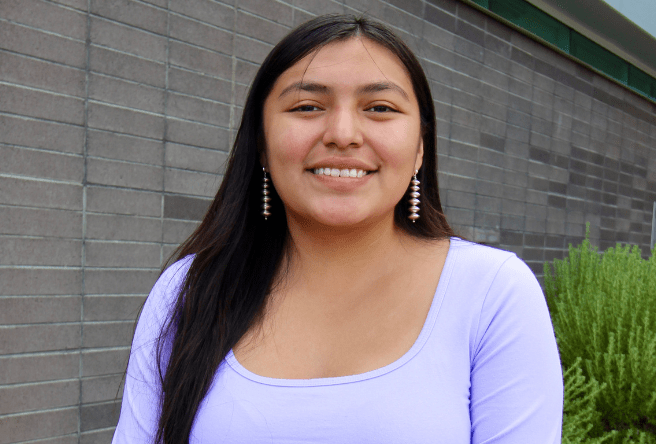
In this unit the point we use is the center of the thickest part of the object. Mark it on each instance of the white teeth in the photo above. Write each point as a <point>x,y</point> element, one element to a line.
<point>334,172</point>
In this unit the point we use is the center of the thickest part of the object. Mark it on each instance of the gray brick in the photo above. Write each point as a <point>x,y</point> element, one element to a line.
<point>46,16</point>
<point>125,121</point>
<point>99,416</point>
<point>103,436</point>
<point>273,10</point>
<point>197,33</point>
<point>176,231</point>
<point>122,254</point>
<point>251,49</point>
<point>197,159</point>
<point>124,147</point>
<point>30,251</point>
<point>15,191</point>
<point>39,338</point>
<point>319,7</point>
<point>41,164</point>
<point>206,11</point>
<point>201,60</point>
<point>109,200</point>
<point>131,13</point>
<point>125,66</point>
<point>18,428</point>
<point>198,110</point>
<point>199,85</point>
<point>128,39</point>
<point>122,282</point>
<point>192,133</point>
<point>41,134</point>
<point>29,310</point>
<point>117,227</point>
<point>40,367</point>
<point>123,174</point>
<point>33,72</point>
<point>191,182</point>
<point>27,397</point>
<point>107,334</point>
<point>104,362</point>
<point>102,388</point>
<point>127,94</point>
<point>26,221</point>
<point>113,308</point>
<point>29,102</point>
<point>77,4</point>
<point>258,28</point>
<point>29,41</point>
<point>187,208</point>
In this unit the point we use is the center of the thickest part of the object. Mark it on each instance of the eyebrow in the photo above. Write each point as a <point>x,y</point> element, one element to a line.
<point>323,89</point>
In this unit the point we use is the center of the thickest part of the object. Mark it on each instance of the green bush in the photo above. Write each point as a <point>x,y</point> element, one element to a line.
<point>603,309</point>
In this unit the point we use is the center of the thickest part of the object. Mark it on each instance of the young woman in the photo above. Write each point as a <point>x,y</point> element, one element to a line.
<point>324,297</point>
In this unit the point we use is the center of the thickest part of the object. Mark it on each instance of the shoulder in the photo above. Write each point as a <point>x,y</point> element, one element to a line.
<point>165,292</point>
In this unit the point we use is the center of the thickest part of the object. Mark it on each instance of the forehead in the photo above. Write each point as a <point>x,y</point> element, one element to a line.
<point>351,62</point>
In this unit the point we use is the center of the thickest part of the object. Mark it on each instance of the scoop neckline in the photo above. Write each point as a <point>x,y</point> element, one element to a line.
<point>438,296</point>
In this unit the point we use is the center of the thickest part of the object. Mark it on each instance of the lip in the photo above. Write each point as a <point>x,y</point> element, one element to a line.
<point>341,164</point>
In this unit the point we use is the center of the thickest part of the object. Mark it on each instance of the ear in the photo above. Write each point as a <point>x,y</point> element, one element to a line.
<point>420,155</point>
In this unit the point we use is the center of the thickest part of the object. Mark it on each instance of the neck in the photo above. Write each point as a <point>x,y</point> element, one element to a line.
<point>334,263</point>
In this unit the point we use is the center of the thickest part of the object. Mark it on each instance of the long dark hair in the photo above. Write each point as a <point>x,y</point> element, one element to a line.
<point>238,253</point>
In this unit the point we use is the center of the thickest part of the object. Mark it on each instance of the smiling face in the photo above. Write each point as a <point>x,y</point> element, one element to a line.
<point>343,135</point>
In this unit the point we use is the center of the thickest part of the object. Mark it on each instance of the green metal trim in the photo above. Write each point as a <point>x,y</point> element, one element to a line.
<point>540,24</point>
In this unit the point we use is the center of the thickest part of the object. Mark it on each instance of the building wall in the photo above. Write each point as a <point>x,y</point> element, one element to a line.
<point>116,117</point>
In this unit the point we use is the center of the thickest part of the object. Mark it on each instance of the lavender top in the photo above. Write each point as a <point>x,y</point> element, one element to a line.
<point>484,369</point>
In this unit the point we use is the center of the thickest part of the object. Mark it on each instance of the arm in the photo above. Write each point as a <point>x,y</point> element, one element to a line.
<point>141,395</point>
<point>516,377</point>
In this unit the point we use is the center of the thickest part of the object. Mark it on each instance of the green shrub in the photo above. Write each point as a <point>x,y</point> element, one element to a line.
<point>603,309</point>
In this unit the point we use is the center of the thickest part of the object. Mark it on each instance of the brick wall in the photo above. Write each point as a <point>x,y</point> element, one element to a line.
<point>115,120</point>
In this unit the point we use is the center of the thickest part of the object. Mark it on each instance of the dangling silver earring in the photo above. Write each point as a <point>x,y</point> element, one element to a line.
<point>414,198</point>
<point>265,196</point>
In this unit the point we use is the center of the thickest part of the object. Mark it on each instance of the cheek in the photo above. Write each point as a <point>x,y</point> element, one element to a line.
<point>287,144</point>
<point>398,144</point>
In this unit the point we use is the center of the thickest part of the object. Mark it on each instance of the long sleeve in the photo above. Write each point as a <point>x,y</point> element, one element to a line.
<point>142,392</point>
<point>516,377</point>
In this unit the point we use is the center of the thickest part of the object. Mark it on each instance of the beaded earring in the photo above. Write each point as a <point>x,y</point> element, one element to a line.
<point>265,196</point>
<point>414,198</point>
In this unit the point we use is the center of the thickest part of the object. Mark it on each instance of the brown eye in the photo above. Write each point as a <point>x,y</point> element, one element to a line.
<point>304,108</point>
<point>381,109</point>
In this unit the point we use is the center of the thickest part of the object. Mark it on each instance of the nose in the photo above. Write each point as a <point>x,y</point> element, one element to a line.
<point>343,129</point>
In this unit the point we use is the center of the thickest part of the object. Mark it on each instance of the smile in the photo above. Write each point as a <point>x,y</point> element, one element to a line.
<point>335,172</point>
